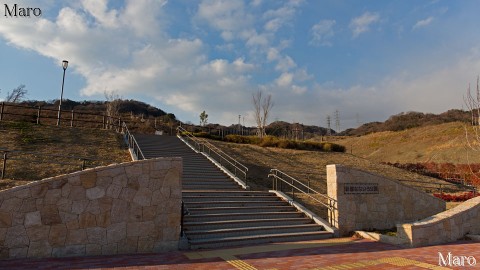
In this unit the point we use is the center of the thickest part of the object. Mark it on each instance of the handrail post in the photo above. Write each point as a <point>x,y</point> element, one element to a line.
<point>181,218</point>
<point>1,111</point>
<point>293,190</point>
<point>4,166</point>
<point>39,111</point>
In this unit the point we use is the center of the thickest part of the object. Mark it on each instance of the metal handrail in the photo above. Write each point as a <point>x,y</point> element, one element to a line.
<point>226,156</point>
<point>208,148</point>
<point>189,135</point>
<point>132,142</point>
<point>331,204</point>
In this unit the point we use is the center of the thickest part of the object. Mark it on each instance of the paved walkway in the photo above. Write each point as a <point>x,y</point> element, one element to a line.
<point>332,254</point>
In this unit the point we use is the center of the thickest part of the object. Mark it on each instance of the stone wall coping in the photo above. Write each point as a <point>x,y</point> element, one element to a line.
<point>449,214</point>
<point>96,169</point>
<point>346,169</point>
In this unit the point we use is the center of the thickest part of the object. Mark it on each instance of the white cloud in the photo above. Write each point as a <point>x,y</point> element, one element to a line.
<point>322,32</point>
<point>362,23</point>
<point>285,79</point>
<point>228,16</point>
<point>132,56</point>
<point>423,23</point>
<point>285,63</point>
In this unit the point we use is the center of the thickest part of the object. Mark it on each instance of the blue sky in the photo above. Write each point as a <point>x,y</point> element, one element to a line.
<point>371,58</point>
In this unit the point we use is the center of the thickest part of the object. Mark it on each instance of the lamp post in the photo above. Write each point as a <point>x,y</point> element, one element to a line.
<point>64,65</point>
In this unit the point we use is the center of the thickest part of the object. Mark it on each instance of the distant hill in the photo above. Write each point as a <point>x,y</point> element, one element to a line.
<point>403,121</point>
<point>296,130</point>
<point>127,106</point>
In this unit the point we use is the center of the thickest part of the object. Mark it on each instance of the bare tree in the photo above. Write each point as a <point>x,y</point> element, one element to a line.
<point>473,105</point>
<point>17,94</point>
<point>262,106</point>
<point>113,108</point>
<point>472,133</point>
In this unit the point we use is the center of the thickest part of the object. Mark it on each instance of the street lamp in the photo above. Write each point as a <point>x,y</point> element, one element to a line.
<point>64,65</point>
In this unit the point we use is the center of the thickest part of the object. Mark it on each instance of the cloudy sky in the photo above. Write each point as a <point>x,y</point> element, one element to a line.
<point>366,58</point>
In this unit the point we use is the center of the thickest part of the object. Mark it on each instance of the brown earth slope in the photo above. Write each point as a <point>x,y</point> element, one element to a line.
<point>41,148</point>
<point>438,143</point>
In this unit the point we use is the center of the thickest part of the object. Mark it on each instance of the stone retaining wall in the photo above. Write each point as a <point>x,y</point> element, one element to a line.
<point>444,227</point>
<point>124,208</point>
<point>392,203</point>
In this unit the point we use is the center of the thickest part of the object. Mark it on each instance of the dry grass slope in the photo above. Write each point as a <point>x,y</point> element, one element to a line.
<point>310,166</point>
<point>305,165</point>
<point>438,143</point>
<point>103,146</point>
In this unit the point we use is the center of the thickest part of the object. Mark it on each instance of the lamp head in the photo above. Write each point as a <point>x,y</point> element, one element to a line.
<point>65,64</point>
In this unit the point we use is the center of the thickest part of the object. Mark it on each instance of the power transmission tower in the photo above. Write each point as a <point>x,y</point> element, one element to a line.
<point>337,121</point>
<point>329,130</point>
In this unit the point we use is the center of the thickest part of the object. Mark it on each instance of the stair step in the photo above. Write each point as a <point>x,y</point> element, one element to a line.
<point>243,193</point>
<point>191,205</point>
<point>244,209</point>
<point>241,223</point>
<point>238,216</point>
<point>258,239</point>
<point>263,230</point>
<point>213,180</point>
<point>210,187</point>
<point>188,199</point>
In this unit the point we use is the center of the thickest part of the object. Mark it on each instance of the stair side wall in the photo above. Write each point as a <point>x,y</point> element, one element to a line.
<point>126,208</point>
<point>390,203</point>
<point>445,227</point>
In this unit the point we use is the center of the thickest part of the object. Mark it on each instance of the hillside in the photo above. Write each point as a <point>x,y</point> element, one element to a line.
<point>403,121</point>
<point>307,165</point>
<point>443,143</point>
<point>45,151</point>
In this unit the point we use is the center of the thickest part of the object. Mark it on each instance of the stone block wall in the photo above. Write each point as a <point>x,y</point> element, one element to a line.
<point>123,208</point>
<point>444,227</point>
<point>394,202</point>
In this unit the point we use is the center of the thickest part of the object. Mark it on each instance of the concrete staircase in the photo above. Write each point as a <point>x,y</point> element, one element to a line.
<point>220,212</point>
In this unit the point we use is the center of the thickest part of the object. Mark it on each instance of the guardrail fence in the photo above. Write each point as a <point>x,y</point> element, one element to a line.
<point>47,116</point>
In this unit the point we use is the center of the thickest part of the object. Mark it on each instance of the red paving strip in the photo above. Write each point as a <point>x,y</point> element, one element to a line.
<point>361,254</point>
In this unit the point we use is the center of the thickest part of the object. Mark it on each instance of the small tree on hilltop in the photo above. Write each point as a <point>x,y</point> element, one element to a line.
<point>203,118</point>
<point>262,106</point>
<point>17,94</point>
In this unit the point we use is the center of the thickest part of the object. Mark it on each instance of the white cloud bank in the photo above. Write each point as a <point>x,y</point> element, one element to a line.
<point>116,49</point>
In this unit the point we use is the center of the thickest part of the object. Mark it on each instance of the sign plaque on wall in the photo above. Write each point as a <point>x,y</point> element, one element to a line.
<point>360,188</point>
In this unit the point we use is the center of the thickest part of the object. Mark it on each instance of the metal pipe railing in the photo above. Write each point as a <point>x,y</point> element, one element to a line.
<point>237,168</point>
<point>132,142</point>
<point>298,186</point>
